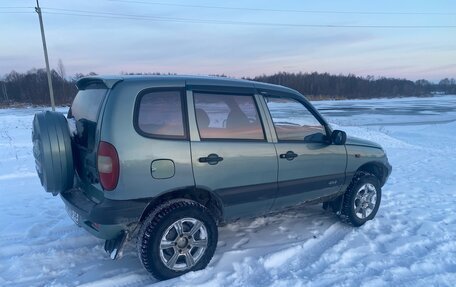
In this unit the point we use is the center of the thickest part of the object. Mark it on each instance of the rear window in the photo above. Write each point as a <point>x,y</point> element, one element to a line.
<point>227,117</point>
<point>87,103</point>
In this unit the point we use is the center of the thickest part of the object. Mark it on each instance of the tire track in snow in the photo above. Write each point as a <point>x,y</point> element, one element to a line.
<point>310,251</point>
<point>55,241</point>
<point>124,280</point>
<point>264,266</point>
<point>17,175</point>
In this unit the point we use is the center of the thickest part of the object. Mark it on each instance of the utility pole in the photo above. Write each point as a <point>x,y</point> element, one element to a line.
<point>51,91</point>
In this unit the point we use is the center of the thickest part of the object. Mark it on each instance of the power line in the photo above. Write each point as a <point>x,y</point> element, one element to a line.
<point>15,7</point>
<point>85,13</point>
<point>282,10</point>
<point>11,12</point>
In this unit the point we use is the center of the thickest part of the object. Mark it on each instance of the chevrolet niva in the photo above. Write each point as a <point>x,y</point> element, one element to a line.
<point>163,160</point>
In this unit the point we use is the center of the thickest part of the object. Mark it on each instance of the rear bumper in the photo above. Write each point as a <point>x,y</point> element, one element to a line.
<point>105,219</point>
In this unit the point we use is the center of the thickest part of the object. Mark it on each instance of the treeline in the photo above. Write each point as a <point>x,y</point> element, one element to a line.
<point>327,86</point>
<point>32,87</point>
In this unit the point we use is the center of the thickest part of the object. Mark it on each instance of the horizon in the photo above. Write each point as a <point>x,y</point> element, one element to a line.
<point>237,39</point>
<point>132,74</point>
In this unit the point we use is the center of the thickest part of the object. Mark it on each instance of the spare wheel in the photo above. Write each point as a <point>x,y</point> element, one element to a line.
<point>52,151</point>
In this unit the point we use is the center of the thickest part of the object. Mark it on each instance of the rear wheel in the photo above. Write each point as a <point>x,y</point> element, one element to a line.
<point>362,199</point>
<point>181,236</point>
<point>52,151</point>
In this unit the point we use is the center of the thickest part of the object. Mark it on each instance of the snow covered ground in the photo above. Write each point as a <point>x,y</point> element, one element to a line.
<point>411,242</point>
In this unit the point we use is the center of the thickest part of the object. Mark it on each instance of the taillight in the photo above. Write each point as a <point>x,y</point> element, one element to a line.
<point>108,165</point>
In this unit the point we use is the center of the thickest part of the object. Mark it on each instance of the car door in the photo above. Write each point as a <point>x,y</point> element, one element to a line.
<point>310,167</point>
<point>231,155</point>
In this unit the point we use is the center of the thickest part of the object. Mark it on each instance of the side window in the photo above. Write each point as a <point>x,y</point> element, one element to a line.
<point>292,120</point>
<point>160,114</point>
<point>222,116</point>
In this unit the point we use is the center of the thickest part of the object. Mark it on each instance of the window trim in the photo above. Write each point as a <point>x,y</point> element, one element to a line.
<point>228,93</point>
<point>306,105</point>
<point>183,99</point>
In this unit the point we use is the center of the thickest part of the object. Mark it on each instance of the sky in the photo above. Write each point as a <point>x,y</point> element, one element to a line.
<point>236,38</point>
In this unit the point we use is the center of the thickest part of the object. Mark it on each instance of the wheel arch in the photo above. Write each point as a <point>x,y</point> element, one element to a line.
<point>376,168</point>
<point>200,195</point>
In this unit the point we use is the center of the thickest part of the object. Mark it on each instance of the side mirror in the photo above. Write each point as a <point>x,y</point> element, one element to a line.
<point>338,137</point>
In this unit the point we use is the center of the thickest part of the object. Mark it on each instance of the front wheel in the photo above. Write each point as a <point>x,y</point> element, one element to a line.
<point>181,236</point>
<point>362,199</point>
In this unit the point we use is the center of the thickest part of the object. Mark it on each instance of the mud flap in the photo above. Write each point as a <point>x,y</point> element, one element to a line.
<point>114,247</point>
<point>334,205</point>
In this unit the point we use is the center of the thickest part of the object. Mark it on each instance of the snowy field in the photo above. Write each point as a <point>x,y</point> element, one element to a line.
<point>411,242</point>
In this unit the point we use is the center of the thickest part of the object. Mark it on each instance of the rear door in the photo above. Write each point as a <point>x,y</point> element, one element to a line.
<point>231,155</point>
<point>84,117</point>
<point>310,166</point>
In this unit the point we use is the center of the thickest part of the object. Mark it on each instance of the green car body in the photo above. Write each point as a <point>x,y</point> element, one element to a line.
<point>251,180</point>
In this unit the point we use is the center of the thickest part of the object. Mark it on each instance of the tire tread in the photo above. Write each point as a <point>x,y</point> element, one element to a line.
<point>346,213</point>
<point>152,222</point>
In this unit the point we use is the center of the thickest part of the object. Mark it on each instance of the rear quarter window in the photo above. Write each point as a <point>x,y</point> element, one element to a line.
<point>160,114</point>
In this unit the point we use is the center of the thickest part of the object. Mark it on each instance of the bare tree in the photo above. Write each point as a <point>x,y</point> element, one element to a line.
<point>61,69</point>
<point>4,91</point>
<point>62,74</point>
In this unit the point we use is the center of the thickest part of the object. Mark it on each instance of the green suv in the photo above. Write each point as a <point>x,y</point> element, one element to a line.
<point>164,159</point>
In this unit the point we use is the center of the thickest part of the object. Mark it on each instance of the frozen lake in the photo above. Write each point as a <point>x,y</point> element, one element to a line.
<point>391,111</point>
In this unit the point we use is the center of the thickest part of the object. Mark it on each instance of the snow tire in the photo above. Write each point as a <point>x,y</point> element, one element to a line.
<point>348,208</point>
<point>159,221</point>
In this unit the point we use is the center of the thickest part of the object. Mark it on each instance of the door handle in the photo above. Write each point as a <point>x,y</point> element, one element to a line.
<point>290,155</point>
<point>211,159</point>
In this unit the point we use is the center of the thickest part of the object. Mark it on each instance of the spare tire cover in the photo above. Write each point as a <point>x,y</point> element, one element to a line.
<point>52,151</point>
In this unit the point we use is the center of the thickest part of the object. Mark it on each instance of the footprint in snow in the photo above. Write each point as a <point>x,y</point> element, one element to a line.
<point>317,222</point>
<point>241,243</point>
<point>221,244</point>
<point>284,229</point>
<point>233,227</point>
<point>292,236</point>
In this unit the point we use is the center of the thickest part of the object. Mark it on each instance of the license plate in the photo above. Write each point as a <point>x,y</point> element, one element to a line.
<point>73,215</point>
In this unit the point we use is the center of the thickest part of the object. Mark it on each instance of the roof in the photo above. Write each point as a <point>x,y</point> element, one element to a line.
<point>111,80</point>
